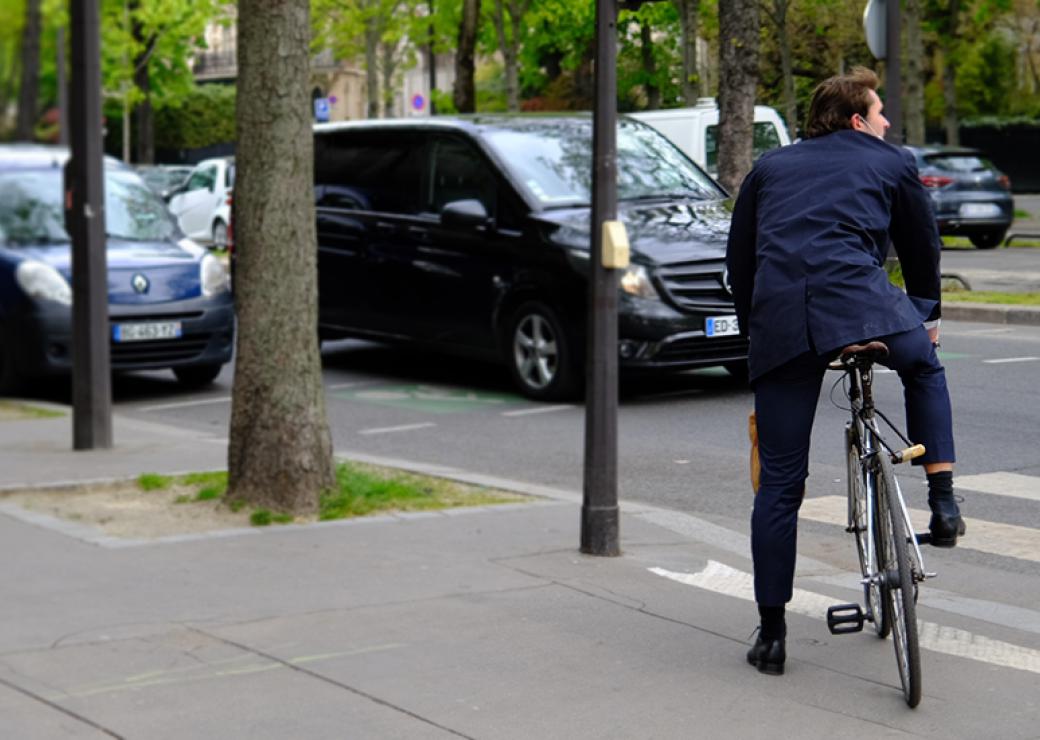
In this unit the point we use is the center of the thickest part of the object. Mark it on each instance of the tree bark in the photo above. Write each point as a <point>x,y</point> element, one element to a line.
<point>738,80</point>
<point>950,121</point>
<point>689,21</point>
<point>464,91</point>
<point>777,13</point>
<point>510,45</point>
<point>372,34</point>
<point>28,93</point>
<point>280,449</point>
<point>653,92</point>
<point>913,75</point>
<point>143,114</point>
<point>387,69</point>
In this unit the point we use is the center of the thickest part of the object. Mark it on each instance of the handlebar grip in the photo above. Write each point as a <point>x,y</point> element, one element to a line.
<point>908,454</point>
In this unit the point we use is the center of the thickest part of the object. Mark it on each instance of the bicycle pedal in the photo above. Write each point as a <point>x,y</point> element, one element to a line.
<point>844,619</point>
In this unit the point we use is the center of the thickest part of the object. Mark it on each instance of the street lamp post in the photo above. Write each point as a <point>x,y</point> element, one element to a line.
<point>599,512</point>
<point>85,218</point>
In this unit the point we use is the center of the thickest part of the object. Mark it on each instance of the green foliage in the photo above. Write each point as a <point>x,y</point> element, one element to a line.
<point>634,80</point>
<point>490,82</point>
<point>153,481</point>
<point>444,102</point>
<point>260,518</point>
<point>205,116</point>
<point>986,77</point>
<point>209,494</point>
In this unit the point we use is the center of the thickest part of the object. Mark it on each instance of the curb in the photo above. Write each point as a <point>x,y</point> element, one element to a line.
<point>991,313</point>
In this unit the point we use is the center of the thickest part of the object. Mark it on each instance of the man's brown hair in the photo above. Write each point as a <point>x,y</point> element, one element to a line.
<point>837,99</point>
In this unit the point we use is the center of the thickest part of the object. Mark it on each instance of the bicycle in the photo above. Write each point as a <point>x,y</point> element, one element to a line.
<point>878,517</point>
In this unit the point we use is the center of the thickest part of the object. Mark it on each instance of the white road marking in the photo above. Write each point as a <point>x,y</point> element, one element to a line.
<point>720,578</point>
<point>1002,484</point>
<point>1011,359</point>
<point>186,404</point>
<point>539,410</point>
<point>1007,540</point>
<point>401,428</point>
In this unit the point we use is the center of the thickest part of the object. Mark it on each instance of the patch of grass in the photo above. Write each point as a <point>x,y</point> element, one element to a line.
<point>183,499</point>
<point>1019,213</point>
<point>215,479</point>
<point>209,494</point>
<point>988,296</point>
<point>260,518</point>
<point>366,489</point>
<point>236,506</point>
<point>154,481</point>
<point>282,518</point>
<point>10,410</point>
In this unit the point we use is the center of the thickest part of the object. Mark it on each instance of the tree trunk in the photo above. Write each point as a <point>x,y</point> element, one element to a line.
<point>280,449</point>
<point>464,92</point>
<point>738,79</point>
<point>692,84</point>
<point>28,93</point>
<point>653,92</point>
<point>144,116</point>
<point>778,15</point>
<point>387,69</point>
<point>510,46</point>
<point>372,34</point>
<point>950,122</point>
<point>913,75</point>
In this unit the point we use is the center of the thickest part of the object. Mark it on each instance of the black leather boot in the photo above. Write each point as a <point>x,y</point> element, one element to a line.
<point>946,524</point>
<point>768,656</point>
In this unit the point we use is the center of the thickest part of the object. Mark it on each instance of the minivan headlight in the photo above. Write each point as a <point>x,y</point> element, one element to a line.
<point>636,281</point>
<point>41,281</point>
<point>213,275</point>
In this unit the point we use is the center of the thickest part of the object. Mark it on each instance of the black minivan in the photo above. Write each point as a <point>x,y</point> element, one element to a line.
<point>471,235</point>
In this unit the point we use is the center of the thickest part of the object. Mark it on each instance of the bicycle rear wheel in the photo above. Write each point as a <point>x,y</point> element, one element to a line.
<point>895,564</point>
<point>873,593</point>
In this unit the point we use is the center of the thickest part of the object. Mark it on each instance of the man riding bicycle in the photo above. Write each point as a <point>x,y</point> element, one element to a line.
<point>807,246</point>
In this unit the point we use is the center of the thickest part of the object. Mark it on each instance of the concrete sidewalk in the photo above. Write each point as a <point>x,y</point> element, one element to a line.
<point>476,623</point>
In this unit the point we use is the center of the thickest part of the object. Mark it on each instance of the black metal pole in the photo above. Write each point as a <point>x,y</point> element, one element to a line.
<point>893,73</point>
<point>63,91</point>
<point>599,512</point>
<point>85,217</point>
<point>432,62</point>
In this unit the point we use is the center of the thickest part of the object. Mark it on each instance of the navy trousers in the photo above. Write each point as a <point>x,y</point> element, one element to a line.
<point>785,405</point>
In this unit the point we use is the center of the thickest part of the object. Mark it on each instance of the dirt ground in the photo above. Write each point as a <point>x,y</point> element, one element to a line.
<point>123,510</point>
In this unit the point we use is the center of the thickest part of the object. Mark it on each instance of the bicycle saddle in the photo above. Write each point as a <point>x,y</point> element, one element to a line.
<point>861,354</point>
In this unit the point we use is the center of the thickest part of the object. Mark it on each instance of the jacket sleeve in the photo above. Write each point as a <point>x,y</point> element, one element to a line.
<point>916,238</point>
<point>740,250</point>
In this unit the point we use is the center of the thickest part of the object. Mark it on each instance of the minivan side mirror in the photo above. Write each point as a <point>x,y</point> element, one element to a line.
<point>464,214</point>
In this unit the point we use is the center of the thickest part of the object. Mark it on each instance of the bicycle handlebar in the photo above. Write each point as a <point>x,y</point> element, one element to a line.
<point>908,454</point>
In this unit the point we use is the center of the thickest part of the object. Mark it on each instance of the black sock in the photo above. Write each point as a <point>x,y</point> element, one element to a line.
<point>940,486</point>
<point>773,625</point>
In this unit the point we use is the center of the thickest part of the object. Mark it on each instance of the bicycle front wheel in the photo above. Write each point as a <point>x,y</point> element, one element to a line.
<point>873,592</point>
<point>900,598</point>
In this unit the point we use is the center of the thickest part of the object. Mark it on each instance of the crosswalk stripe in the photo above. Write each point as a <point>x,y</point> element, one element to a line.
<point>1002,484</point>
<point>723,579</point>
<point>1007,540</point>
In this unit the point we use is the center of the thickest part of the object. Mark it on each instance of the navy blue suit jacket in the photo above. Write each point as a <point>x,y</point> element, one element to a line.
<point>808,242</point>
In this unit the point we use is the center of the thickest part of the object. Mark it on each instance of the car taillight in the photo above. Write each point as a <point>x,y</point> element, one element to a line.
<point>936,181</point>
<point>1005,182</point>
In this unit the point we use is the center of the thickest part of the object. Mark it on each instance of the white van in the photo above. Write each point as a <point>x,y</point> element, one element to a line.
<point>695,130</point>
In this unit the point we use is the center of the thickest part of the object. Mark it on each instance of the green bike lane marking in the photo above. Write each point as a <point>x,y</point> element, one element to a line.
<point>430,399</point>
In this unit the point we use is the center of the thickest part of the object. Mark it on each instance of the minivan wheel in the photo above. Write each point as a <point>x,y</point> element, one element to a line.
<point>539,353</point>
<point>197,376</point>
<point>987,239</point>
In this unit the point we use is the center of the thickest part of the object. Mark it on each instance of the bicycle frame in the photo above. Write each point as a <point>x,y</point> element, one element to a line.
<point>864,421</point>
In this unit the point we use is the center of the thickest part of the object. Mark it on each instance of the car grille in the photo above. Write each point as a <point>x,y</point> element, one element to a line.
<point>697,349</point>
<point>695,285</point>
<point>126,354</point>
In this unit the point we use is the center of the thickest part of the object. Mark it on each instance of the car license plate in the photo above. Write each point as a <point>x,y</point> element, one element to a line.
<point>721,326</point>
<point>979,210</point>
<point>144,332</point>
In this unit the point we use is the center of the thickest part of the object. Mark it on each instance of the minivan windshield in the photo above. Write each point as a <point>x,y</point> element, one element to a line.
<point>31,211</point>
<point>552,159</point>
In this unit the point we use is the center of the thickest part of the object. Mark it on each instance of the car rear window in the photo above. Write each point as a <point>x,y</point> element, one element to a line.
<point>958,162</point>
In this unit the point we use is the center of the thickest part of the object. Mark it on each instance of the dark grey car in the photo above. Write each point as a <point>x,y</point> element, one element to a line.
<point>972,197</point>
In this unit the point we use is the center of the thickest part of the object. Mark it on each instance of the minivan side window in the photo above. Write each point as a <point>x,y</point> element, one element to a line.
<point>458,172</point>
<point>368,171</point>
<point>764,138</point>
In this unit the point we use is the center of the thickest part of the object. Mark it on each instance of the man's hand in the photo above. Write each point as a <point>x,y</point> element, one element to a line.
<point>933,330</point>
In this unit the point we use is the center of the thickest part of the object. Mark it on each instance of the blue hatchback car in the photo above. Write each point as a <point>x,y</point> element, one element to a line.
<point>169,300</point>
